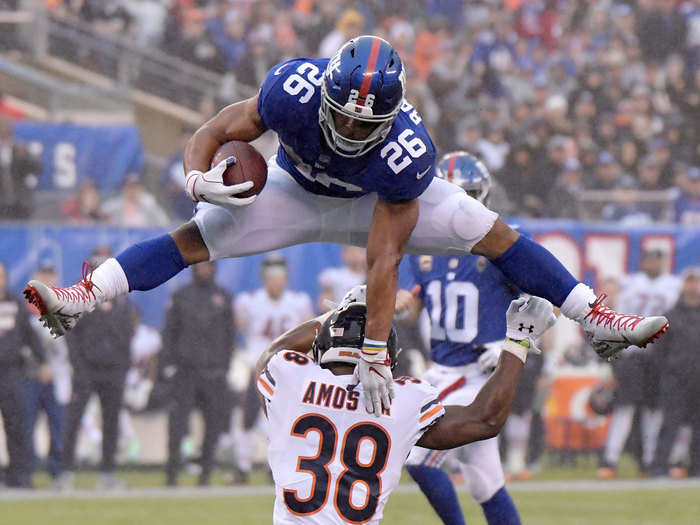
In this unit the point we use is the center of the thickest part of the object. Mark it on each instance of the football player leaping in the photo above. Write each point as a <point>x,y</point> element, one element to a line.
<point>354,166</point>
<point>466,298</point>
<point>330,461</point>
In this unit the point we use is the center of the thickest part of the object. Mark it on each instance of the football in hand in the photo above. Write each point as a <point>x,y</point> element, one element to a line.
<point>249,165</point>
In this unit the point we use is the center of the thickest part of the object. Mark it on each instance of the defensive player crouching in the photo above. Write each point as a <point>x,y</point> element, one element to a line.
<point>333,464</point>
<point>355,166</point>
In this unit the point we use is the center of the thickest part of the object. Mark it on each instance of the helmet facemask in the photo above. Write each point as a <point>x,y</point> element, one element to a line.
<point>344,146</point>
<point>342,334</point>
<point>478,190</point>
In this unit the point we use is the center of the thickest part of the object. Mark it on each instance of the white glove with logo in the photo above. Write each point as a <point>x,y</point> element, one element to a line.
<point>488,360</point>
<point>374,372</point>
<point>527,320</point>
<point>210,187</point>
<point>356,294</point>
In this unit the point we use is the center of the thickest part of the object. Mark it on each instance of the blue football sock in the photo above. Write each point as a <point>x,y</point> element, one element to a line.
<point>437,487</point>
<point>150,263</point>
<point>536,271</point>
<point>500,509</point>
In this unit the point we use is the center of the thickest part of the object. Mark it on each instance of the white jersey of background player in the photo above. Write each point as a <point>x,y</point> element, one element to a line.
<point>652,290</point>
<point>334,463</point>
<point>334,282</point>
<point>268,312</point>
<point>261,316</point>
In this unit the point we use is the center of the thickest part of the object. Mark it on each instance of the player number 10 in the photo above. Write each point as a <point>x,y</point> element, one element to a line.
<point>445,327</point>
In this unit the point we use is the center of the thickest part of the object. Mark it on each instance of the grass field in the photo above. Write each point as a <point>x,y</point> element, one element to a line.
<point>638,507</point>
<point>558,500</point>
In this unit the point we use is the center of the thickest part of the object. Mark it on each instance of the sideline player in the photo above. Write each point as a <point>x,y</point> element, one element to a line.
<point>355,166</point>
<point>331,462</point>
<point>261,316</point>
<point>466,297</point>
<point>652,291</point>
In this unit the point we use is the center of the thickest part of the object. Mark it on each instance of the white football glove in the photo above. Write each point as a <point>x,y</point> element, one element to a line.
<point>210,187</point>
<point>356,294</point>
<point>374,372</point>
<point>529,319</point>
<point>488,360</point>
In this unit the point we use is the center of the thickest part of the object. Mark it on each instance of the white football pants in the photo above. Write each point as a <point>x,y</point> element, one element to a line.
<point>480,462</point>
<point>285,214</point>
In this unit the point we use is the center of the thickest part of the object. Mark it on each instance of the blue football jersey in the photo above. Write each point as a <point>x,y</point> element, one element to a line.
<point>398,169</point>
<point>466,298</point>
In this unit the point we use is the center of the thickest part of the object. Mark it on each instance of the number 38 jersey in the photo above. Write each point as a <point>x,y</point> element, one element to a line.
<point>331,460</point>
<point>400,168</point>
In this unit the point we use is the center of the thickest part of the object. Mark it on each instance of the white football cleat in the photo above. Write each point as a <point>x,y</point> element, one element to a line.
<point>609,332</point>
<point>60,308</point>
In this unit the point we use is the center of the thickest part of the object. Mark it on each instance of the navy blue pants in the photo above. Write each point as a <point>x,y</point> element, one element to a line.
<point>41,397</point>
<point>13,410</point>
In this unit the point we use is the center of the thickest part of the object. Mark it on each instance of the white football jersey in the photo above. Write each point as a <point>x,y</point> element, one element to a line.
<point>340,280</point>
<point>644,295</point>
<point>331,460</point>
<point>265,319</point>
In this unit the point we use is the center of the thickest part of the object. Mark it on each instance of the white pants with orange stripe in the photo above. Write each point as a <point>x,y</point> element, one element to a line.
<point>285,214</point>
<point>480,461</point>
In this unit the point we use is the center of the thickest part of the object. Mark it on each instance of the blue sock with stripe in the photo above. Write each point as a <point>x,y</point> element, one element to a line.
<point>150,263</point>
<point>438,488</point>
<point>500,509</point>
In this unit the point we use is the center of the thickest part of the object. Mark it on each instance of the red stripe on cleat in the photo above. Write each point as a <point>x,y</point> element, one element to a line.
<point>33,297</point>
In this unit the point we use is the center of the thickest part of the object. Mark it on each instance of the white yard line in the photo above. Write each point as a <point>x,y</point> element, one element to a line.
<point>407,488</point>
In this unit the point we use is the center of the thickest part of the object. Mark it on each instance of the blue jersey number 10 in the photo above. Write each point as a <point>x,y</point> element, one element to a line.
<point>445,327</point>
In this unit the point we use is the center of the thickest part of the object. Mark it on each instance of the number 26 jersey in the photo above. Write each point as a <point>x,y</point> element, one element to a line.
<point>332,461</point>
<point>398,169</point>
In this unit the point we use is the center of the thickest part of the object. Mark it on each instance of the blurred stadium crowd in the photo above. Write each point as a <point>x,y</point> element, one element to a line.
<point>584,110</point>
<point>557,97</point>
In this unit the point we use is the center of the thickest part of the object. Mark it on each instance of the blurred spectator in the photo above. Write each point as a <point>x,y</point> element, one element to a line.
<point>688,201</point>
<point>522,182</point>
<point>106,16</point>
<point>651,291</point>
<point>608,175</point>
<point>680,377</point>
<point>661,19</point>
<point>16,334</point>
<point>261,316</point>
<point>227,31</point>
<point>180,206</point>
<point>99,354</point>
<point>19,172</point>
<point>254,65</point>
<point>335,282</point>
<point>562,199</point>
<point>134,207</point>
<point>84,208</point>
<point>198,341</point>
<point>493,147</point>
<point>53,395</point>
<point>536,72</point>
<point>351,23</point>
